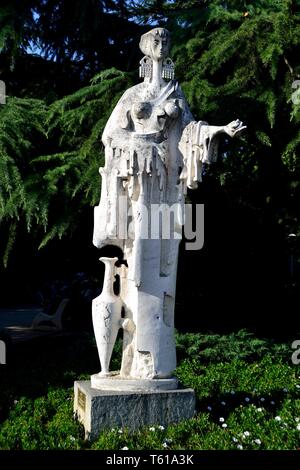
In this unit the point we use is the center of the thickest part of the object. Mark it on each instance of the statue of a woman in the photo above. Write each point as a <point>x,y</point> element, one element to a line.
<point>154,150</point>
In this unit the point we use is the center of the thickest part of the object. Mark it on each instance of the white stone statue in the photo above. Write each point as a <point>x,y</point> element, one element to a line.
<point>154,151</point>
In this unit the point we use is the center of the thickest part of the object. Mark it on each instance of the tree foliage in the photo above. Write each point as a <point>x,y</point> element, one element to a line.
<point>244,63</point>
<point>50,48</point>
<point>21,132</point>
<point>48,183</point>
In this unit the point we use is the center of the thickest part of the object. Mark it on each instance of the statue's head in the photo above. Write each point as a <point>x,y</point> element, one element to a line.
<point>156,44</point>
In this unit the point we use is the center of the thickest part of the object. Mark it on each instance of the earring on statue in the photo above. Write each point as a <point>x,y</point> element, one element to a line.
<point>168,69</point>
<point>145,69</point>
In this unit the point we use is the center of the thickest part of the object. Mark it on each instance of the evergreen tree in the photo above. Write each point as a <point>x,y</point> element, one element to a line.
<point>50,157</point>
<point>50,48</point>
<point>21,134</point>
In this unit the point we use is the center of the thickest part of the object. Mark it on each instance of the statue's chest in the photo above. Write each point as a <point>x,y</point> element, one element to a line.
<point>154,112</point>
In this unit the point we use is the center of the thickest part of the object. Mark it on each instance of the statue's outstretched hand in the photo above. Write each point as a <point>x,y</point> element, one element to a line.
<point>234,127</point>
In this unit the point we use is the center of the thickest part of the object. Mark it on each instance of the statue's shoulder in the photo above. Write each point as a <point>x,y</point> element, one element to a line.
<point>133,92</point>
<point>120,112</point>
<point>179,92</point>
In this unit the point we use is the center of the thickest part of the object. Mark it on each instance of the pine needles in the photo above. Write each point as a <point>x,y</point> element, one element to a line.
<point>49,158</point>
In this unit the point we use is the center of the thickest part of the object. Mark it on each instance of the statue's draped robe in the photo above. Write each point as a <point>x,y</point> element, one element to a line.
<point>154,150</point>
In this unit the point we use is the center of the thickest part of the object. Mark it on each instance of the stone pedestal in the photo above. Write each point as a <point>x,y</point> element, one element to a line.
<point>100,410</point>
<point>119,383</point>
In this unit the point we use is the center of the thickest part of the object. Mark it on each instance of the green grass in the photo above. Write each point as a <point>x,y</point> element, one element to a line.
<point>248,396</point>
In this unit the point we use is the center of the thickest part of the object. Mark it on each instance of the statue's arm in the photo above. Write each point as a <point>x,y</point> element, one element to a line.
<point>199,145</point>
<point>231,129</point>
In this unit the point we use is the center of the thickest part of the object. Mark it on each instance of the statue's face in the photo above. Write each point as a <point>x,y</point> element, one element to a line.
<point>159,47</point>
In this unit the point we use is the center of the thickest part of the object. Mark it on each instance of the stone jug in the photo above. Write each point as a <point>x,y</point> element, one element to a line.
<point>106,313</point>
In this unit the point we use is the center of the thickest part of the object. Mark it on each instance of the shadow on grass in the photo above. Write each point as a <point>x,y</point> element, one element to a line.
<point>34,367</point>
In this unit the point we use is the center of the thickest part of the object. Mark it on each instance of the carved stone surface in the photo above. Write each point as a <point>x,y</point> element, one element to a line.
<point>104,410</point>
<point>106,312</point>
<point>118,382</point>
<point>154,151</point>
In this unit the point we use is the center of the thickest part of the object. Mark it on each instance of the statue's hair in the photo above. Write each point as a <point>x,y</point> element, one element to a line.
<point>144,42</point>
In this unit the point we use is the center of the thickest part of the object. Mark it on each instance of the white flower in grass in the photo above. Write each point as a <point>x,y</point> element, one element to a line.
<point>297,420</point>
<point>247,399</point>
<point>298,427</point>
<point>223,403</point>
<point>232,392</point>
<point>272,402</point>
<point>168,441</point>
<point>120,431</point>
<point>246,434</point>
<point>152,428</point>
<point>262,399</point>
<point>209,408</point>
<point>72,438</point>
<point>221,420</point>
<point>165,445</point>
<point>259,409</point>
<point>277,418</point>
<point>224,425</point>
<point>124,448</point>
<point>285,390</point>
<point>239,446</point>
<point>297,386</point>
<point>235,439</point>
<point>257,441</point>
<point>161,428</point>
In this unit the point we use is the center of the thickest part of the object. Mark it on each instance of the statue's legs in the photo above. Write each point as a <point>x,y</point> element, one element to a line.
<point>149,345</point>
